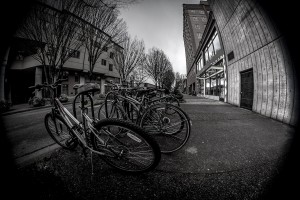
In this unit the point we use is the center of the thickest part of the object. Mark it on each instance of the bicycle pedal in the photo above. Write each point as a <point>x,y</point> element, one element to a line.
<point>71,142</point>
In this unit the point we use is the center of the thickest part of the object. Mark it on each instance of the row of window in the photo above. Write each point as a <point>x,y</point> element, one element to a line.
<point>213,46</point>
<point>110,66</point>
<point>203,19</point>
<point>197,11</point>
<point>76,54</point>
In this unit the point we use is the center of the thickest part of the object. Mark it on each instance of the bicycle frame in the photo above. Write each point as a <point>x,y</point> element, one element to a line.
<point>136,104</point>
<point>66,115</point>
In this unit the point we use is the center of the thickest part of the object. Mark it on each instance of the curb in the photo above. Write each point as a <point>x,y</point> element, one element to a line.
<point>35,108</point>
<point>34,156</point>
<point>27,109</point>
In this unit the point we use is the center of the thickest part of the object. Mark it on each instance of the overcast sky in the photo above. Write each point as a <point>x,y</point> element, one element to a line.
<point>160,24</point>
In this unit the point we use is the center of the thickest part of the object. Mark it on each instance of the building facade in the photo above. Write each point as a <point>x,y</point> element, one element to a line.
<point>243,59</point>
<point>194,22</point>
<point>23,68</point>
<point>211,77</point>
<point>28,71</point>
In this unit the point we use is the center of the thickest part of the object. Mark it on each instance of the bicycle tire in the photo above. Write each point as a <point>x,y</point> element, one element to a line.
<point>169,125</point>
<point>172,100</point>
<point>60,132</point>
<point>114,111</point>
<point>134,150</point>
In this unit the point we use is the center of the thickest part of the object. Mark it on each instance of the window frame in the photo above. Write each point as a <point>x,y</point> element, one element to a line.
<point>103,62</point>
<point>110,67</point>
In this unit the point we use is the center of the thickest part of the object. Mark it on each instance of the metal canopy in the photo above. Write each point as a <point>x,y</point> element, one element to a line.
<point>211,71</point>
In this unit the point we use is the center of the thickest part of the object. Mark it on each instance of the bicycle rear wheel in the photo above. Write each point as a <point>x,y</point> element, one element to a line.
<point>60,132</point>
<point>132,150</point>
<point>168,125</point>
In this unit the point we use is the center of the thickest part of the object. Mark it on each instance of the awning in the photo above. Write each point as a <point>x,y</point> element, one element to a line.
<point>211,71</point>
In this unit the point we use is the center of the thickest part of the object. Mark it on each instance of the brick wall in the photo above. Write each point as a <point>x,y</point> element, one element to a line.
<point>257,43</point>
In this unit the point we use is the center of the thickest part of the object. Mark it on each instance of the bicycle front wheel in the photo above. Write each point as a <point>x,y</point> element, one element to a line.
<point>132,150</point>
<point>168,124</point>
<point>60,132</point>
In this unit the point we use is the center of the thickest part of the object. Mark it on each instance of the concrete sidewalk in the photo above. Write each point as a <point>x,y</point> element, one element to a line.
<point>232,153</point>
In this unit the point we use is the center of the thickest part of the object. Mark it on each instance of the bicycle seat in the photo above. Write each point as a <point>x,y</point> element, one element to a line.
<point>145,91</point>
<point>88,87</point>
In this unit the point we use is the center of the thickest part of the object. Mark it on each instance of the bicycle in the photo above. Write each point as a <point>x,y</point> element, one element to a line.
<point>168,124</point>
<point>119,143</point>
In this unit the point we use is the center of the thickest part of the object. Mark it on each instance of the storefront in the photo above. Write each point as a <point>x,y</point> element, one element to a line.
<point>212,82</point>
<point>211,68</point>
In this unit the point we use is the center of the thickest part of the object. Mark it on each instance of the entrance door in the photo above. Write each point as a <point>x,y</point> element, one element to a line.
<point>247,89</point>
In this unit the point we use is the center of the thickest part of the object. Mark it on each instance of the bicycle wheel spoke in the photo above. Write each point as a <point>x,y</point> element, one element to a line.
<point>174,127</point>
<point>175,124</point>
<point>132,152</point>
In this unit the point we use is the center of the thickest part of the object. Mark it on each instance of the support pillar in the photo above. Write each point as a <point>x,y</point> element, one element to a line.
<point>38,80</point>
<point>204,89</point>
<point>81,80</point>
<point>102,86</point>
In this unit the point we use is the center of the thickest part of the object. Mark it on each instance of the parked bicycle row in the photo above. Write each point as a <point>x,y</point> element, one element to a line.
<point>155,110</point>
<point>130,130</point>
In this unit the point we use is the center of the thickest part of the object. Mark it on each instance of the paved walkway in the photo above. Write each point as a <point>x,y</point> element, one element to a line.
<point>232,153</point>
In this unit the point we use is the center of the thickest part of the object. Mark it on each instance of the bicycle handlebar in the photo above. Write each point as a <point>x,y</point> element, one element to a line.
<point>53,85</point>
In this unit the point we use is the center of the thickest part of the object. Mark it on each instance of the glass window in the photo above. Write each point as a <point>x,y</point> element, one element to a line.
<point>206,55</point>
<point>111,55</point>
<point>216,43</point>
<point>207,86</point>
<point>110,67</point>
<point>211,51</point>
<point>64,89</point>
<point>74,53</point>
<point>199,35</point>
<point>103,62</point>
<point>200,64</point>
<point>76,78</point>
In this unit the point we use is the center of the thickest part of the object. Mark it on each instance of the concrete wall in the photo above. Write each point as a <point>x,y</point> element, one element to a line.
<point>257,43</point>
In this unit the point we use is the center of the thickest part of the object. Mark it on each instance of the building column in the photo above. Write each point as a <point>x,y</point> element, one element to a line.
<point>102,86</point>
<point>204,89</point>
<point>38,80</point>
<point>81,80</point>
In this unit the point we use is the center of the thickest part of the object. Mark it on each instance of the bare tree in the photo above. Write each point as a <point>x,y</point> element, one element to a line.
<point>129,60</point>
<point>109,3</point>
<point>156,64</point>
<point>168,79</point>
<point>139,75</point>
<point>54,32</point>
<point>102,30</point>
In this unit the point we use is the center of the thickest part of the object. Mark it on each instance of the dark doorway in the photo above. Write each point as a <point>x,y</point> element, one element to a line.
<point>247,89</point>
<point>20,80</point>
